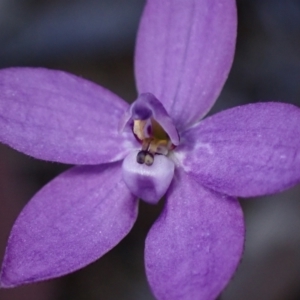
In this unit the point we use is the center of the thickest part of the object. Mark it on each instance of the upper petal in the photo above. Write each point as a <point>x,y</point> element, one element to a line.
<point>53,115</point>
<point>184,52</point>
<point>246,151</point>
<point>71,222</point>
<point>195,246</point>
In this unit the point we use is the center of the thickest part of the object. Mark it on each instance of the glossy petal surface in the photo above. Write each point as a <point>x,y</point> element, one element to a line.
<point>56,116</point>
<point>184,53</point>
<point>71,222</point>
<point>195,246</point>
<point>245,151</point>
<point>149,183</point>
<point>146,107</point>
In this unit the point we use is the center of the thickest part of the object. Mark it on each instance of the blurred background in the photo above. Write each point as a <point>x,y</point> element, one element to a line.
<point>95,39</point>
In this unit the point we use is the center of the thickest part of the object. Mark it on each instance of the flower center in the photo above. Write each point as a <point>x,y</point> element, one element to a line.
<point>153,138</point>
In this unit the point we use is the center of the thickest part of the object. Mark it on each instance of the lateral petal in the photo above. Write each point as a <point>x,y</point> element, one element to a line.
<point>184,52</point>
<point>56,116</point>
<point>245,151</point>
<point>71,222</point>
<point>195,246</point>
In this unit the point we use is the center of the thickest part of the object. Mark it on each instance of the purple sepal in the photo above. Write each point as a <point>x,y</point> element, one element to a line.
<point>149,183</point>
<point>145,107</point>
<point>184,52</point>
<point>56,116</point>
<point>194,247</point>
<point>245,151</point>
<point>71,222</point>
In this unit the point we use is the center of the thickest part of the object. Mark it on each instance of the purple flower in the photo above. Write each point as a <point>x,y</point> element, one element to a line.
<point>156,146</point>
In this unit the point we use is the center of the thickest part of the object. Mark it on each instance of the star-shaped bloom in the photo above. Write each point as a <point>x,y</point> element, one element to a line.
<point>159,145</point>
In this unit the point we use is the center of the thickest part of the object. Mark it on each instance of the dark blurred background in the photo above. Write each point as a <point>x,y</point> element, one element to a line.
<point>95,39</point>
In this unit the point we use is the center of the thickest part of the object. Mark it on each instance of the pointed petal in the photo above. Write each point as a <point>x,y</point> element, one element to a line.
<point>149,183</point>
<point>53,115</point>
<point>195,246</point>
<point>71,222</point>
<point>246,151</point>
<point>146,107</point>
<point>184,53</point>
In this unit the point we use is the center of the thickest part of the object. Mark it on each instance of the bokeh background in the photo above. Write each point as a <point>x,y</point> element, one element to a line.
<point>95,39</point>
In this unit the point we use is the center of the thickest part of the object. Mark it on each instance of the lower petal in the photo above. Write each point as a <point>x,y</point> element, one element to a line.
<point>149,183</point>
<point>71,222</point>
<point>196,244</point>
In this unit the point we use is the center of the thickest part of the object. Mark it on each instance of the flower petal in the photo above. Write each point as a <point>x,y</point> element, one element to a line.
<point>149,183</point>
<point>146,107</point>
<point>195,246</point>
<point>71,222</point>
<point>184,53</point>
<point>246,151</point>
<point>53,115</point>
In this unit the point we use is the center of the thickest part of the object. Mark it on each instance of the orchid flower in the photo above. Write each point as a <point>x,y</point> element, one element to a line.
<point>160,145</point>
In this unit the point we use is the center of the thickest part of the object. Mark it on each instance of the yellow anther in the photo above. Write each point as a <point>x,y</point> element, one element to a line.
<point>140,129</point>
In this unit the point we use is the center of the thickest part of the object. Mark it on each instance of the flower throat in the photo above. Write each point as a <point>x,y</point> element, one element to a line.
<point>153,138</point>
